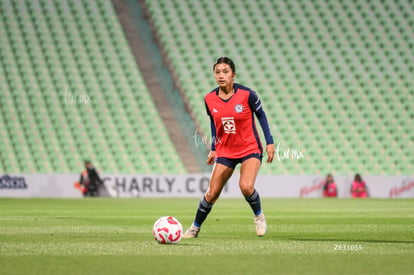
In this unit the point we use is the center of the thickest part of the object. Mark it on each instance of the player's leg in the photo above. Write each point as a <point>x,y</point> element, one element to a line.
<point>220,175</point>
<point>248,173</point>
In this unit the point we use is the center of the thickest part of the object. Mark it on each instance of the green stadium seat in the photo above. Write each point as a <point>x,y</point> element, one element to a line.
<point>78,48</point>
<point>316,54</point>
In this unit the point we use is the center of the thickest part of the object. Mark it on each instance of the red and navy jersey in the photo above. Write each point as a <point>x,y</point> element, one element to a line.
<point>233,127</point>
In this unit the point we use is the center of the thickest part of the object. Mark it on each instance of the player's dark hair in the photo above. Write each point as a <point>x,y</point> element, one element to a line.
<point>227,61</point>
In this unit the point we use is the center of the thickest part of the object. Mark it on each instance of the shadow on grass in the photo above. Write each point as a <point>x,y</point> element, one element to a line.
<point>188,244</point>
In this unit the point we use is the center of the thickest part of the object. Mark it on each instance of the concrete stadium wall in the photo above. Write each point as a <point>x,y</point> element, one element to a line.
<point>194,185</point>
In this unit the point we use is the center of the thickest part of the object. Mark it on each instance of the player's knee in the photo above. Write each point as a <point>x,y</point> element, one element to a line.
<point>246,189</point>
<point>212,196</point>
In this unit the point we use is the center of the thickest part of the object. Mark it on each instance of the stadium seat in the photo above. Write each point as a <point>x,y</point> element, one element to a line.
<point>54,49</point>
<point>325,70</point>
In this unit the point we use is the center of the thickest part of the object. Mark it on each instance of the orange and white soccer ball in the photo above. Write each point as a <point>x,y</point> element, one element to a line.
<point>167,230</point>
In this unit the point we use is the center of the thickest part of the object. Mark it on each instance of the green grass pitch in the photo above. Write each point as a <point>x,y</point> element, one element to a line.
<point>113,236</point>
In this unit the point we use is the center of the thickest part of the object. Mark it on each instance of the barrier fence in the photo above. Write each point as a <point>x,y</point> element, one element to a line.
<point>194,185</point>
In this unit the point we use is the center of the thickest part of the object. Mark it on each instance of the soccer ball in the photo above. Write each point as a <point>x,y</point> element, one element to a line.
<point>167,229</point>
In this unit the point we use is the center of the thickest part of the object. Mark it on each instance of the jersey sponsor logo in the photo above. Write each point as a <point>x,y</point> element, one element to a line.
<point>238,108</point>
<point>229,125</point>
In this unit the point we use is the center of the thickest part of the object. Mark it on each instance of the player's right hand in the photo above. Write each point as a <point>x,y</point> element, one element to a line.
<point>211,157</point>
<point>270,149</point>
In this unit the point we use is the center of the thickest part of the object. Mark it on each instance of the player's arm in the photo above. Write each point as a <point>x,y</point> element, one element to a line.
<point>256,106</point>
<point>212,155</point>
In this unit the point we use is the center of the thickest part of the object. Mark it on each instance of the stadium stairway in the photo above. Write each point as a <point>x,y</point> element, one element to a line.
<point>167,101</point>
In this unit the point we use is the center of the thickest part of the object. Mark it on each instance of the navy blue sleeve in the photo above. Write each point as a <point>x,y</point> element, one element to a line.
<point>213,134</point>
<point>256,106</point>
<point>213,129</point>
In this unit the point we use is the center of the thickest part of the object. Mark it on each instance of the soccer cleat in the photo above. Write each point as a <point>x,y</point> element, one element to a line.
<point>191,232</point>
<point>261,226</point>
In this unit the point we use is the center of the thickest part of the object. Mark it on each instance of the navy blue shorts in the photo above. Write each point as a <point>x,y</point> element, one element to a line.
<point>231,163</point>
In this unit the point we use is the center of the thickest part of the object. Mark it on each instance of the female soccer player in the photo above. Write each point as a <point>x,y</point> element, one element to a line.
<point>235,140</point>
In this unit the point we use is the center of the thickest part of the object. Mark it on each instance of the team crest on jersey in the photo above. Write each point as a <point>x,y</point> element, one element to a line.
<point>238,108</point>
<point>229,125</point>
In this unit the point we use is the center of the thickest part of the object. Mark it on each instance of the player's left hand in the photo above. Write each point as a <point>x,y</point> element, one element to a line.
<point>270,149</point>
